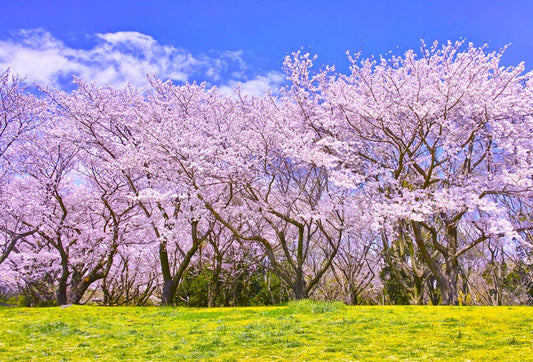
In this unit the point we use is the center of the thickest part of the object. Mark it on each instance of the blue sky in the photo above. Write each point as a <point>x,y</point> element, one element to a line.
<point>230,42</point>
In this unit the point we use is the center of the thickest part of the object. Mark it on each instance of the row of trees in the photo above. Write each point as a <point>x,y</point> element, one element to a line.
<point>408,180</point>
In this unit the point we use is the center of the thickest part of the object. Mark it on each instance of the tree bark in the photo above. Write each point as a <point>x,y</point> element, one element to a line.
<point>61,293</point>
<point>452,268</point>
<point>299,287</point>
<point>169,291</point>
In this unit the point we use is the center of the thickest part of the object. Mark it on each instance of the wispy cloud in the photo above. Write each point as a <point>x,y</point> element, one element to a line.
<point>121,57</point>
<point>257,86</point>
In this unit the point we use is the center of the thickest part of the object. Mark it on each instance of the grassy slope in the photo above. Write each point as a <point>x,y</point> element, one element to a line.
<point>302,331</point>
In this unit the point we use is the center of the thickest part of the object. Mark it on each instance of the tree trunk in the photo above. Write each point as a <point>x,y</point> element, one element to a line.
<point>353,296</point>
<point>235,289</point>
<point>450,297</point>
<point>79,291</point>
<point>214,288</point>
<point>61,293</point>
<point>440,278</point>
<point>169,291</point>
<point>169,287</point>
<point>299,287</point>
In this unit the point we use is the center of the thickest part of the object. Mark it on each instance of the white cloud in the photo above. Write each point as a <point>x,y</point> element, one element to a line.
<point>121,57</point>
<point>258,86</point>
<point>40,61</point>
<point>129,37</point>
<point>116,58</point>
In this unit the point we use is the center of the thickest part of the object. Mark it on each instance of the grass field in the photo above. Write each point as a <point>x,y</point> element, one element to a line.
<point>299,331</point>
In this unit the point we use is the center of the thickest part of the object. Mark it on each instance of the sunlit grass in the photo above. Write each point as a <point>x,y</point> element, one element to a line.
<point>299,331</point>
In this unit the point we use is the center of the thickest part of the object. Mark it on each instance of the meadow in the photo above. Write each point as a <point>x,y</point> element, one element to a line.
<point>298,331</point>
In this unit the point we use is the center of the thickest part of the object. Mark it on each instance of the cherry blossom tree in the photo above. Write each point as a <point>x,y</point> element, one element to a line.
<point>113,126</point>
<point>271,197</point>
<point>433,139</point>
<point>21,114</point>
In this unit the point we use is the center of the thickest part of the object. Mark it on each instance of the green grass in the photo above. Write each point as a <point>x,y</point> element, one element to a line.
<point>298,331</point>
